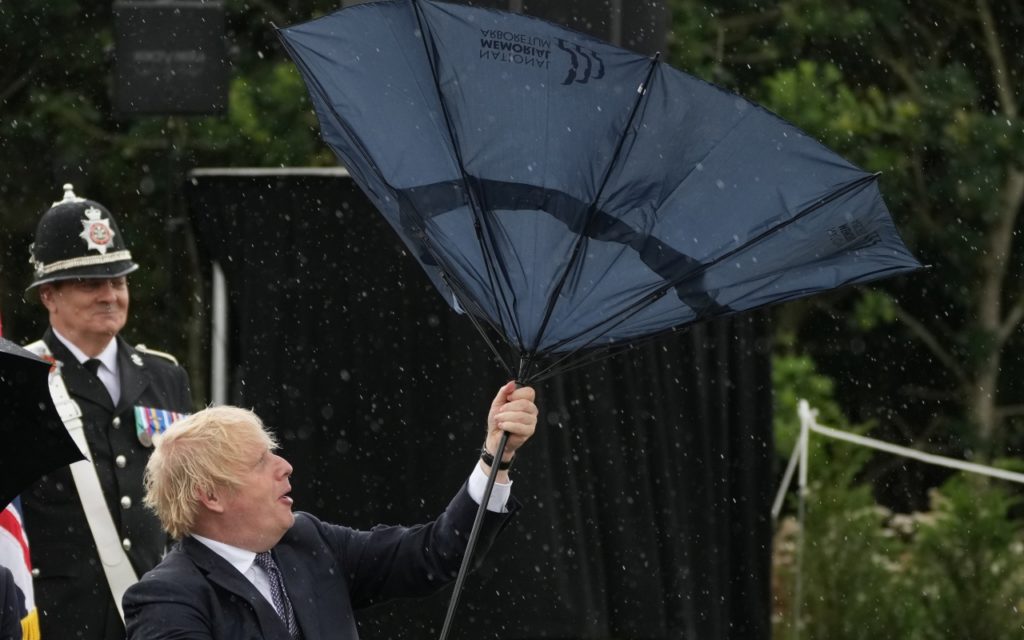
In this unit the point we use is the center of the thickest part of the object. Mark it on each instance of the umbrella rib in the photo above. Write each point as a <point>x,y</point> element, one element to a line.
<point>824,200</point>
<point>634,308</point>
<point>470,308</point>
<point>618,319</point>
<point>499,299</point>
<point>581,239</point>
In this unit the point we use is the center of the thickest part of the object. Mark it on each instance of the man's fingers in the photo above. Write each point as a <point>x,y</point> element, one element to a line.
<point>503,395</point>
<point>518,406</point>
<point>516,417</point>
<point>523,393</point>
<point>514,412</point>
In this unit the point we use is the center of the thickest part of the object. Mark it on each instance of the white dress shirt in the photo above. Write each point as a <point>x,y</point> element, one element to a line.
<point>244,561</point>
<point>107,371</point>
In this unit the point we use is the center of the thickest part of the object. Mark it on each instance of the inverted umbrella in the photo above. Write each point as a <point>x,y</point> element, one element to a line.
<point>572,197</point>
<point>33,440</point>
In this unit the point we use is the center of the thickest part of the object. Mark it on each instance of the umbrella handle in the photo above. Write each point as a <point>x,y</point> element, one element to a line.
<point>474,533</point>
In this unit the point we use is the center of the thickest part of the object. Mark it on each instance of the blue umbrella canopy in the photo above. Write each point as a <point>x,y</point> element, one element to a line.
<point>573,197</point>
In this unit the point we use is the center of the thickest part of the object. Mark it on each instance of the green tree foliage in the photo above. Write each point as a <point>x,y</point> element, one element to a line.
<point>928,93</point>
<point>58,126</point>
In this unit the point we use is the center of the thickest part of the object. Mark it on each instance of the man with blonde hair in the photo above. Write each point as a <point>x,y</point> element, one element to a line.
<point>248,567</point>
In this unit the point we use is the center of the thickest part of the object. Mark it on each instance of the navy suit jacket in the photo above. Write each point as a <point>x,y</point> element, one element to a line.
<point>328,570</point>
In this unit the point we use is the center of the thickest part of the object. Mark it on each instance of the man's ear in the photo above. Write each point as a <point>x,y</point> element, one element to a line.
<point>46,294</point>
<point>211,499</point>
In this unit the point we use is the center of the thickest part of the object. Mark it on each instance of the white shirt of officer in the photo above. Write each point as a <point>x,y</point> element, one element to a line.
<point>107,371</point>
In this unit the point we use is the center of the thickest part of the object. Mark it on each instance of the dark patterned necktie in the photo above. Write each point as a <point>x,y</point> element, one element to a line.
<point>277,592</point>
<point>92,365</point>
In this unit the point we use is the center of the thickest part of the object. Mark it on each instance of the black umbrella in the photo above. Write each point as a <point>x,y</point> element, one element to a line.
<point>33,440</point>
<point>573,198</point>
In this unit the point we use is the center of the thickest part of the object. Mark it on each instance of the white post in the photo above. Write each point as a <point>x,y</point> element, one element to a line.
<point>219,338</point>
<point>806,420</point>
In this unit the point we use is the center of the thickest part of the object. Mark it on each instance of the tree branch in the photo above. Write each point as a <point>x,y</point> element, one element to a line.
<point>1010,410</point>
<point>745,22</point>
<point>995,259</point>
<point>17,85</point>
<point>922,211</point>
<point>901,70</point>
<point>919,392</point>
<point>1011,321</point>
<point>72,119</point>
<point>928,338</point>
<point>1001,75</point>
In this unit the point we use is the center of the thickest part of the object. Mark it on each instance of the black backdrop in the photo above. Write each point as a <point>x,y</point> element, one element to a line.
<point>647,486</point>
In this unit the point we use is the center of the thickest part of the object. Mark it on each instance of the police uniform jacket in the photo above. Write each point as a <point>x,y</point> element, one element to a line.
<point>71,589</point>
<point>328,572</point>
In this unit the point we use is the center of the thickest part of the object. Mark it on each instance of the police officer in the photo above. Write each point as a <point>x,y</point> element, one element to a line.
<point>89,531</point>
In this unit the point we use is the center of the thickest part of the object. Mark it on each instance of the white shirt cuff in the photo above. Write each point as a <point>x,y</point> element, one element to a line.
<point>499,494</point>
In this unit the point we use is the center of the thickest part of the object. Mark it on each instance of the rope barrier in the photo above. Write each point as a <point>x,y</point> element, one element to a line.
<point>809,423</point>
<point>798,461</point>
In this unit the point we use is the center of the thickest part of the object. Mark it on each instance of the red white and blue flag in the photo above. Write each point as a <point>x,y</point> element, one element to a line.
<point>14,555</point>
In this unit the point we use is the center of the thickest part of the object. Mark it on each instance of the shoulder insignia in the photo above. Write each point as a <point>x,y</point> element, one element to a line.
<point>40,349</point>
<point>153,352</point>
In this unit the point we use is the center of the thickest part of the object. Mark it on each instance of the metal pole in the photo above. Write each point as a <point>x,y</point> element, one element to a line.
<point>219,338</point>
<point>615,22</point>
<point>474,533</point>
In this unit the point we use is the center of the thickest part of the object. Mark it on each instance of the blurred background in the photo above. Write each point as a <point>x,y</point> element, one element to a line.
<point>926,93</point>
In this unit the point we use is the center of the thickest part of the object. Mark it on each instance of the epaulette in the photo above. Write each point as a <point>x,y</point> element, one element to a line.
<point>153,352</point>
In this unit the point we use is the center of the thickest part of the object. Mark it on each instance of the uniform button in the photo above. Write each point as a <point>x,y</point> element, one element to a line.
<point>126,544</point>
<point>120,461</point>
<point>35,573</point>
<point>126,502</point>
<point>116,422</point>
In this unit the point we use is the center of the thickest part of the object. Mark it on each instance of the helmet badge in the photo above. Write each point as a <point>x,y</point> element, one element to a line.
<point>96,231</point>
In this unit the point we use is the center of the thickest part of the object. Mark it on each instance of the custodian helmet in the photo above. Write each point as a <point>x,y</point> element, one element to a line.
<point>78,238</point>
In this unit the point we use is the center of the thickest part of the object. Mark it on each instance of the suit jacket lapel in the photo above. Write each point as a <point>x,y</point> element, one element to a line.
<point>133,374</point>
<point>221,573</point>
<point>79,381</point>
<point>300,590</point>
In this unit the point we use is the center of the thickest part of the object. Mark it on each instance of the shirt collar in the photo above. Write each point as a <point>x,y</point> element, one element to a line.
<point>240,559</point>
<point>108,356</point>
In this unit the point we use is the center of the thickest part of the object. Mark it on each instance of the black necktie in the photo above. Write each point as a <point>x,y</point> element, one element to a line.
<point>277,592</point>
<point>92,365</point>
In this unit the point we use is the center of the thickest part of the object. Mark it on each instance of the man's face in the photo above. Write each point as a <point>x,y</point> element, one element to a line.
<point>89,311</point>
<point>261,509</point>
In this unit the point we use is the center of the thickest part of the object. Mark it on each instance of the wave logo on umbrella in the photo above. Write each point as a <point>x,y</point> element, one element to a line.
<point>570,219</point>
<point>584,64</point>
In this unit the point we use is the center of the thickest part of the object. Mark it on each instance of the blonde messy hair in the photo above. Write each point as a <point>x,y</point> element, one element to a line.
<point>203,452</point>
